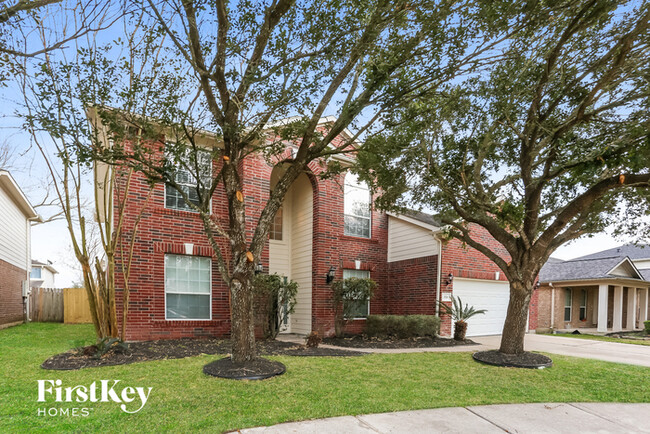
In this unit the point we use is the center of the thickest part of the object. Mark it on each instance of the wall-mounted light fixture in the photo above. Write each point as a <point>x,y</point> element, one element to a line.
<point>330,275</point>
<point>450,278</point>
<point>259,268</point>
<point>537,285</point>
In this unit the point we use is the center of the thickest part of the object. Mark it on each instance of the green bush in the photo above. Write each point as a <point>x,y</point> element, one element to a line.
<point>647,326</point>
<point>402,326</point>
<point>275,299</point>
<point>345,291</point>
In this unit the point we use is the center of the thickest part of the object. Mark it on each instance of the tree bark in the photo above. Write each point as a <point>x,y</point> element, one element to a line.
<point>514,329</point>
<point>242,320</point>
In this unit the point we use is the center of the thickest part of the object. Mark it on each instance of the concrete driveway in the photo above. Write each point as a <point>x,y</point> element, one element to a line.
<point>586,348</point>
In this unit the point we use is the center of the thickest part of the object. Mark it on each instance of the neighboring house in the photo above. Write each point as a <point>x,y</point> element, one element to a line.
<point>607,291</point>
<point>325,225</point>
<point>42,275</point>
<point>16,215</point>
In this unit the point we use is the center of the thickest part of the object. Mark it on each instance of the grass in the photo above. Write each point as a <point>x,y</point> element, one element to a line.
<point>603,338</point>
<point>184,399</point>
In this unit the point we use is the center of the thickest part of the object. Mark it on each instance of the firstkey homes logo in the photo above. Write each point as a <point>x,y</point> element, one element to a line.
<point>130,399</point>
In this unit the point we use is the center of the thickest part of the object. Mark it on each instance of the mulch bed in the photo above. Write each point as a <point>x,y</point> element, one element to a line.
<point>639,335</point>
<point>368,342</point>
<point>80,358</point>
<point>524,360</point>
<point>258,369</point>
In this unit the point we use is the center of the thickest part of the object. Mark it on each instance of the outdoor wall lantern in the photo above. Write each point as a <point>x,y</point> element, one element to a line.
<point>330,275</point>
<point>259,268</point>
<point>450,278</point>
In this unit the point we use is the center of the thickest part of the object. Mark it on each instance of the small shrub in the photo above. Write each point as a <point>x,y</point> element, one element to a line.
<point>275,299</point>
<point>402,326</point>
<point>313,340</point>
<point>647,326</point>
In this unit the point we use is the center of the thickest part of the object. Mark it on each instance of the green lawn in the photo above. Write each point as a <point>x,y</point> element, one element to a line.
<point>184,399</point>
<point>603,338</point>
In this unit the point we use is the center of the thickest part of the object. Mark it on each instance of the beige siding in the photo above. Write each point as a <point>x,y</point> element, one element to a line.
<point>280,251</point>
<point>642,264</point>
<point>14,233</point>
<point>408,241</point>
<point>301,252</point>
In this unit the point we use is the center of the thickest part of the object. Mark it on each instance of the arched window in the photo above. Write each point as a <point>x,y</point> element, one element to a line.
<point>356,207</point>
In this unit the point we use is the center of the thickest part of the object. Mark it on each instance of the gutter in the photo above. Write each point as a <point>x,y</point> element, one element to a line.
<point>438,284</point>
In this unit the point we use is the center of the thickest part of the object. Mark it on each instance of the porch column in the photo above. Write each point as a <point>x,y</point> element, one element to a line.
<point>603,291</point>
<point>617,316</point>
<point>595,312</point>
<point>631,308</point>
<point>643,315</point>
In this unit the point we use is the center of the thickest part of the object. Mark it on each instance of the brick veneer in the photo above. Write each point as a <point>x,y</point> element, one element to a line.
<point>11,293</point>
<point>404,287</point>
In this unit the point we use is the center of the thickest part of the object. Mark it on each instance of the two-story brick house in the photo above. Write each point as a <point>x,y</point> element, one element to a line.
<point>324,225</point>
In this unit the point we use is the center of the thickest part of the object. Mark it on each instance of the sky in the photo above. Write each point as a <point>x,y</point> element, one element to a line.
<point>51,241</point>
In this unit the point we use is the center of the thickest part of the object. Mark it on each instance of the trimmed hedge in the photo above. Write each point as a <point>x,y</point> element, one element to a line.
<point>647,326</point>
<point>402,326</point>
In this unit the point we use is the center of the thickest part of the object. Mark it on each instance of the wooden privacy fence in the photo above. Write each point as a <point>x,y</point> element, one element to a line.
<point>69,305</point>
<point>76,309</point>
<point>46,305</point>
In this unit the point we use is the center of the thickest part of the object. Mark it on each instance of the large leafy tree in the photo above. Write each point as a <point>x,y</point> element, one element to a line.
<point>540,147</point>
<point>238,69</point>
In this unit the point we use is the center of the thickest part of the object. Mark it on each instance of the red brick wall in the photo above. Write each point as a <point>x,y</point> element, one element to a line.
<point>11,293</point>
<point>412,284</point>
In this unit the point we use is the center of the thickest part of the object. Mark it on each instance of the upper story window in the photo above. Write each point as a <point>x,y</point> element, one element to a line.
<point>186,180</point>
<point>356,207</point>
<point>35,273</point>
<point>276,227</point>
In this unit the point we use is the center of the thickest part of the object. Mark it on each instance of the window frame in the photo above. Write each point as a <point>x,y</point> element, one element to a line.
<point>179,167</point>
<point>582,315</point>
<point>187,293</point>
<point>273,224</point>
<point>568,297</point>
<point>359,186</point>
<point>368,301</point>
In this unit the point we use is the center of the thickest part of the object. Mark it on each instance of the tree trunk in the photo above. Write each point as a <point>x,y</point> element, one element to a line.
<point>514,329</point>
<point>460,330</point>
<point>242,320</point>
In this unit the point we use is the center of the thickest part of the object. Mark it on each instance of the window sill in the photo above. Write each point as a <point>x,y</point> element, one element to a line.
<point>362,239</point>
<point>175,212</point>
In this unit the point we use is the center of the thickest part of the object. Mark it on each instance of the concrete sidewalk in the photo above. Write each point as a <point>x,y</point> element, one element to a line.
<point>511,418</point>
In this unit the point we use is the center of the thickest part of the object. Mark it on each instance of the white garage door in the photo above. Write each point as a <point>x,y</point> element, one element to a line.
<point>484,294</point>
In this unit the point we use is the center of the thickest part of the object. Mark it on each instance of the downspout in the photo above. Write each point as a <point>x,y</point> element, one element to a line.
<point>439,275</point>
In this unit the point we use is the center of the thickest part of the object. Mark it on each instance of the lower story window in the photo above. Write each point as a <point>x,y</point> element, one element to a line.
<point>357,308</point>
<point>583,305</point>
<point>568,300</point>
<point>188,288</point>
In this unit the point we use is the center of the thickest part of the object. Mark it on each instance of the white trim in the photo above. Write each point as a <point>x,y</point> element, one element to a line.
<point>636,270</point>
<point>186,293</point>
<point>414,221</point>
<point>17,195</point>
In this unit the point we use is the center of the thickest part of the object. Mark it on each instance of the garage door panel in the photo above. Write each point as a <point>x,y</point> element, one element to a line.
<point>484,294</point>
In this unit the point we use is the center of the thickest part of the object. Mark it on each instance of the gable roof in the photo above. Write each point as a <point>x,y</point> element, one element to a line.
<point>47,266</point>
<point>613,267</point>
<point>8,183</point>
<point>632,251</point>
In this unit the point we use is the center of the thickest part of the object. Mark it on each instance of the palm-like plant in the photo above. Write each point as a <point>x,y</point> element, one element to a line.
<point>460,314</point>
